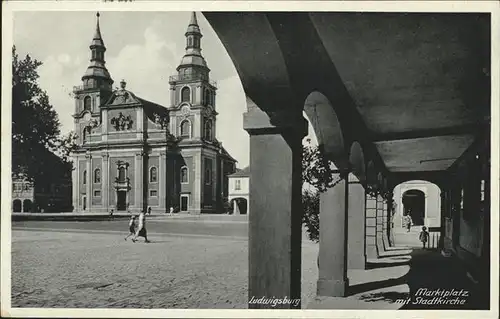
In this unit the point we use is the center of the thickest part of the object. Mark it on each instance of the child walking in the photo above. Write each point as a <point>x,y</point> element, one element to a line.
<point>131,227</point>
<point>424,236</point>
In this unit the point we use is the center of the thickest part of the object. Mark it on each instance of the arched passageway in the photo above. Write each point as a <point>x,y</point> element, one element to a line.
<point>421,199</point>
<point>239,206</point>
<point>16,205</point>
<point>404,142</point>
<point>414,205</point>
<point>27,206</point>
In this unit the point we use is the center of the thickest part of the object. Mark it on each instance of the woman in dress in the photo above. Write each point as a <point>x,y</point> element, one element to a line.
<point>141,228</point>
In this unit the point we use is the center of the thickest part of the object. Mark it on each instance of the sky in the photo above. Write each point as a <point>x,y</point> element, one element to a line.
<point>143,48</point>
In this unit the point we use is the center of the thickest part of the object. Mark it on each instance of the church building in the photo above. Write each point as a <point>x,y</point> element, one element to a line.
<point>133,153</point>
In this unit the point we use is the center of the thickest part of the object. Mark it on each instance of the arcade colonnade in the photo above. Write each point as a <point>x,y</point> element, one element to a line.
<point>286,65</point>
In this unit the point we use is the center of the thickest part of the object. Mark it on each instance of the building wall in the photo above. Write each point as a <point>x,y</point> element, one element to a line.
<point>245,186</point>
<point>22,191</point>
<point>467,212</point>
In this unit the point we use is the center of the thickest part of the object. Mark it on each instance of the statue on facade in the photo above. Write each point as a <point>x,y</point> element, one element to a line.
<point>161,122</point>
<point>122,122</point>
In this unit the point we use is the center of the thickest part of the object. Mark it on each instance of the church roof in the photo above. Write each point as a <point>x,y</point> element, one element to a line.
<point>124,97</point>
<point>97,67</point>
<point>245,172</point>
<point>226,153</point>
<point>97,40</point>
<point>193,24</point>
<point>152,108</point>
<point>193,56</point>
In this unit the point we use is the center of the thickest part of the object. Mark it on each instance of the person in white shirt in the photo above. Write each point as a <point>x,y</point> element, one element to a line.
<point>141,228</point>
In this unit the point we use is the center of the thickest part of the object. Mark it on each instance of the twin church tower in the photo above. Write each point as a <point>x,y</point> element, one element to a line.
<point>133,153</point>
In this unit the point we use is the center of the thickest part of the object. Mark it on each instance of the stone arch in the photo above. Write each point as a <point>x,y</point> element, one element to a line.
<point>17,206</point>
<point>240,204</point>
<point>327,127</point>
<point>357,161</point>
<point>267,92</point>
<point>413,201</point>
<point>432,196</point>
<point>27,205</point>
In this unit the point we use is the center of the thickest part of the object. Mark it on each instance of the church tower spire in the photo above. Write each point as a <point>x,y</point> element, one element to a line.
<point>193,61</point>
<point>192,93</point>
<point>97,76</point>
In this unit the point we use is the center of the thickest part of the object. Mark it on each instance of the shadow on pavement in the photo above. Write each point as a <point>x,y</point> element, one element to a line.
<point>388,264</point>
<point>374,285</point>
<point>431,276</point>
<point>435,283</point>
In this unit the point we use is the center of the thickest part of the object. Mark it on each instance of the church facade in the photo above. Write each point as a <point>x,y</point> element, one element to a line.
<point>133,153</point>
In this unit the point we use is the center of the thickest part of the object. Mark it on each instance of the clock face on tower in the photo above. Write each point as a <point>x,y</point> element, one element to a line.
<point>86,117</point>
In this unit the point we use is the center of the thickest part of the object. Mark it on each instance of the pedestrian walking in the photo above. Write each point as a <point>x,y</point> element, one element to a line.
<point>171,212</point>
<point>408,222</point>
<point>424,237</point>
<point>111,212</point>
<point>131,226</point>
<point>149,210</point>
<point>141,228</point>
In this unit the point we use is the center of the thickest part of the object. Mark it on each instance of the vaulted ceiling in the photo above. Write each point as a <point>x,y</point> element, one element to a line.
<point>418,85</point>
<point>419,81</point>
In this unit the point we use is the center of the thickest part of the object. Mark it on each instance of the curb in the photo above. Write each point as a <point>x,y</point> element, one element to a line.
<point>67,218</point>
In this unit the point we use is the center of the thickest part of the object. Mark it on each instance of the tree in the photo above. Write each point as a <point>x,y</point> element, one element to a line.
<point>36,132</point>
<point>317,177</point>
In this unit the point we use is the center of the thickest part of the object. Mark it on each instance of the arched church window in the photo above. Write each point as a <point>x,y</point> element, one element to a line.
<point>84,177</point>
<point>184,175</point>
<point>153,177</point>
<point>185,128</point>
<point>87,103</point>
<point>97,176</point>
<point>121,174</point>
<point>185,94</point>
<point>208,130</point>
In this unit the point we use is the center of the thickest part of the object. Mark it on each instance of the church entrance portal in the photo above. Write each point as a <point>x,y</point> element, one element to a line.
<point>414,204</point>
<point>121,202</point>
<point>184,203</point>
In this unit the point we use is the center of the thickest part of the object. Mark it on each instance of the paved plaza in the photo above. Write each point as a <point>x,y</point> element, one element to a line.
<point>189,264</point>
<point>195,264</point>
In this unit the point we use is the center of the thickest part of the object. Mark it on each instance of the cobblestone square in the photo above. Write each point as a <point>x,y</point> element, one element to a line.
<point>102,270</point>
